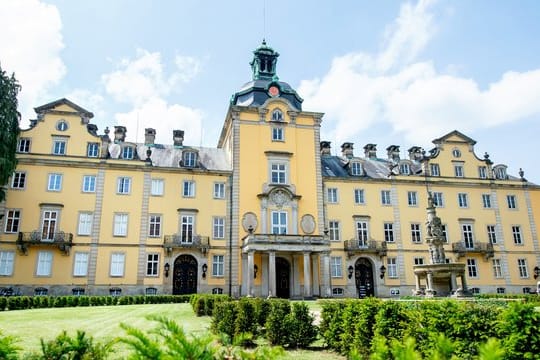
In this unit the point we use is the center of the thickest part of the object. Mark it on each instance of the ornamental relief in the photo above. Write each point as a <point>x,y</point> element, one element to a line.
<point>280,198</point>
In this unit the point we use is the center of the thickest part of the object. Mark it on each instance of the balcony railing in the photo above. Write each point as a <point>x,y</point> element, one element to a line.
<point>355,246</point>
<point>60,239</point>
<point>176,241</point>
<point>284,239</point>
<point>461,249</point>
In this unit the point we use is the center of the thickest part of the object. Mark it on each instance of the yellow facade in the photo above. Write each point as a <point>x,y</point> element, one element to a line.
<point>269,212</point>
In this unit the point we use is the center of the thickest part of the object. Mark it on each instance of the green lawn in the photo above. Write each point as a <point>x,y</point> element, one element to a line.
<point>102,322</point>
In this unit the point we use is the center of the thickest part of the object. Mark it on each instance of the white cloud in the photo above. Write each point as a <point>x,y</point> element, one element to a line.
<point>188,67</point>
<point>88,100</point>
<point>364,90</point>
<point>30,46</point>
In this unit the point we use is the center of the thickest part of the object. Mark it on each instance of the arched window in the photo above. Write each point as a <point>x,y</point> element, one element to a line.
<point>277,115</point>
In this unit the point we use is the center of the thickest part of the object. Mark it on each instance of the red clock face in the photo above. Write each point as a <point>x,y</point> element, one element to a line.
<point>273,91</point>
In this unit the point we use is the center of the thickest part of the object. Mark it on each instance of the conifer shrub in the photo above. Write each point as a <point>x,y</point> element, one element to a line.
<point>245,320</point>
<point>519,329</point>
<point>363,325</point>
<point>224,319</point>
<point>331,323</point>
<point>299,322</point>
<point>3,303</point>
<point>276,328</point>
<point>84,301</point>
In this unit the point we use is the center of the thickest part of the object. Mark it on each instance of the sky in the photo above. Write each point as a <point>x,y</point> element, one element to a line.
<point>383,72</point>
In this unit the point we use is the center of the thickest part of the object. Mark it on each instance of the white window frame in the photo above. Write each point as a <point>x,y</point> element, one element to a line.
<point>278,133</point>
<point>13,221</point>
<point>434,170</point>
<point>333,230</point>
<point>279,222</point>
<point>511,201</point>
<point>332,195</point>
<point>117,266</point>
<point>359,197</point>
<point>187,228</point>
<point>517,235</point>
<point>154,225</point>
<point>23,145</point>
<point>120,224</point>
<point>459,171</point>
<point>486,201</point>
<point>472,268</point>
<point>277,115</point>
<point>128,152</point>
<point>386,197</point>
<point>356,168</point>
<point>336,266</point>
<point>491,234</point>
<point>157,187</point>
<point>54,182</point>
<point>218,265</point>
<point>189,159</point>
<point>419,261</point>
<point>89,184</point>
<point>523,268</point>
<point>18,180</point>
<point>59,147</point>
<point>467,234</point>
<point>123,185</point>
<point>49,224</point>
<point>497,268</point>
<point>482,172</point>
<point>152,264</point>
<point>278,173</point>
<point>219,190</point>
<point>438,199</point>
<point>412,198</point>
<point>44,263</point>
<point>416,233</point>
<point>362,232</point>
<point>388,228</point>
<point>404,169</point>
<point>218,227</point>
<point>463,200</point>
<point>92,150</point>
<point>392,267</point>
<point>7,262</point>
<point>188,188</point>
<point>84,226</point>
<point>80,264</point>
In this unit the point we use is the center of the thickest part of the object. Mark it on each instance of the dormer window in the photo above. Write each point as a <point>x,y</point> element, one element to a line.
<point>277,115</point>
<point>456,153</point>
<point>61,125</point>
<point>404,169</point>
<point>500,173</point>
<point>128,152</point>
<point>190,159</point>
<point>356,168</point>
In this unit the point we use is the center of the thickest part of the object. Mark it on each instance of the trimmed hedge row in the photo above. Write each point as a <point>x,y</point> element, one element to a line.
<point>203,304</point>
<point>35,302</point>
<point>528,298</point>
<point>359,326</point>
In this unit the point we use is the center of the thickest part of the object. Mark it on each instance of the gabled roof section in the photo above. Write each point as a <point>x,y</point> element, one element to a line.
<point>53,105</point>
<point>448,138</point>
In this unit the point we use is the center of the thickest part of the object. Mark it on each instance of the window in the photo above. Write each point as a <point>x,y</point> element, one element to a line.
<point>277,134</point>
<point>385,197</point>
<point>6,263</point>
<point>467,233</point>
<point>463,201</point>
<point>404,169</point>
<point>55,182</point>
<point>150,291</point>
<point>412,199</point>
<point>482,172</point>
<point>157,187</point>
<point>152,264</point>
<point>391,267</point>
<point>154,225</point>
<point>18,180</point>
<point>80,264</point>
<point>388,232</point>
<point>416,234</point>
<point>24,145</point>
<point>124,185</point>
<point>434,170</point>
<point>278,174</point>
<point>443,229</point>
<point>332,195</point>
<point>48,225</point>
<point>217,291</point>
<point>279,222</point>
<point>77,291</point>
<point>486,201</point>
<point>418,261</point>
<point>456,153</point>
<point>458,170</point>
<point>337,292</point>
<point>277,115</point>
<point>59,147</point>
<point>85,223</point>
<point>219,190</point>
<point>438,199</point>
<point>522,266</point>
<point>362,233</point>
<point>188,188</point>
<point>92,150</point>
<point>511,201</point>
<point>41,291</point>
<point>516,234</point>
<point>89,184</point>
<point>472,268</point>
<point>356,168</point>
<point>115,291</point>
<point>526,290</point>
<point>492,235</point>
<point>120,224</point>
<point>500,173</point>
<point>186,232</point>
<point>61,125</point>
<point>190,159</point>
<point>218,227</point>
<point>13,218</point>
<point>44,263</point>
<point>501,290</point>
<point>128,153</point>
<point>218,268</point>
<point>359,196</point>
<point>497,268</point>
<point>333,230</point>
<point>335,266</point>
<point>117,264</point>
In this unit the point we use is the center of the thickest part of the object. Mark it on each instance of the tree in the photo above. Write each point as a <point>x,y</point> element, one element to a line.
<point>9,127</point>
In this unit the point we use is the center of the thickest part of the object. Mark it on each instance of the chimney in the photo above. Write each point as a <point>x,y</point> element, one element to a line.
<point>370,151</point>
<point>393,152</point>
<point>119,134</point>
<point>178,137</point>
<point>325,148</point>
<point>149,136</point>
<point>347,150</point>
<point>416,153</point>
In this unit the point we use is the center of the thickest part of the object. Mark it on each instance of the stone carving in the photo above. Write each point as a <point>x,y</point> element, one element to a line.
<point>249,221</point>
<point>280,198</point>
<point>435,238</point>
<point>308,224</point>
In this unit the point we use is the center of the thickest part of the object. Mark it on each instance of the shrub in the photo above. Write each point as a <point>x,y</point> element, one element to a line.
<point>84,301</point>
<point>519,328</point>
<point>330,326</point>
<point>245,319</point>
<point>8,349</point>
<point>276,328</point>
<point>223,321</point>
<point>3,303</point>
<point>300,326</point>
<point>363,325</point>
<point>77,348</point>
<point>60,301</point>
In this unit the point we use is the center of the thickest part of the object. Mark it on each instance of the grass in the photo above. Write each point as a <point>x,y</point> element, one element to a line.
<point>102,322</point>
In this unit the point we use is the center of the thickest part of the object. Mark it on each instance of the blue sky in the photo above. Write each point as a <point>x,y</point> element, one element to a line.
<point>382,72</point>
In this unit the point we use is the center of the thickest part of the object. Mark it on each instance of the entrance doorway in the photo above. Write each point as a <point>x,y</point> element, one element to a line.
<point>283,273</point>
<point>363,275</point>
<point>185,275</point>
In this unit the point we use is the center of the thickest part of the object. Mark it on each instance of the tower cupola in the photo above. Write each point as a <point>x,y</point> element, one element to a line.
<point>264,62</point>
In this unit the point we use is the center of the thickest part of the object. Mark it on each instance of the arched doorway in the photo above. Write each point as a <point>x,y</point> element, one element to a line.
<point>363,275</point>
<point>185,275</point>
<point>283,273</point>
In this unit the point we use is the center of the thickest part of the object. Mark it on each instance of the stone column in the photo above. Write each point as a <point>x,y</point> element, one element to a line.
<point>429,290</point>
<point>271,273</point>
<point>417,282</point>
<point>307,275</point>
<point>326,290</point>
<point>315,270</point>
<point>463,282</point>
<point>249,274</point>
<point>453,281</point>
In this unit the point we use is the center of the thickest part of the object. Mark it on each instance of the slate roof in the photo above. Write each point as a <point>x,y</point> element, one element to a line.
<point>255,93</point>
<point>337,166</point>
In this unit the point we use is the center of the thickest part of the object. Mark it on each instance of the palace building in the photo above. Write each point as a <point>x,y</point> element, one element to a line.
<point>271,211</point>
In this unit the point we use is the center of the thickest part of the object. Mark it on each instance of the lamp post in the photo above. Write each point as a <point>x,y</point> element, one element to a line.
<point>167,267</point>
<point>204,269</point>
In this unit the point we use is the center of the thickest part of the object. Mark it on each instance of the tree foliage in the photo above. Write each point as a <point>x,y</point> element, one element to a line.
<point>9,127</point>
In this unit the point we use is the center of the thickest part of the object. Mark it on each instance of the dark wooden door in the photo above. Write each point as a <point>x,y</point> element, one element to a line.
<point>283,273</point>
<point>185,275</point>
<point>363,274</point>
